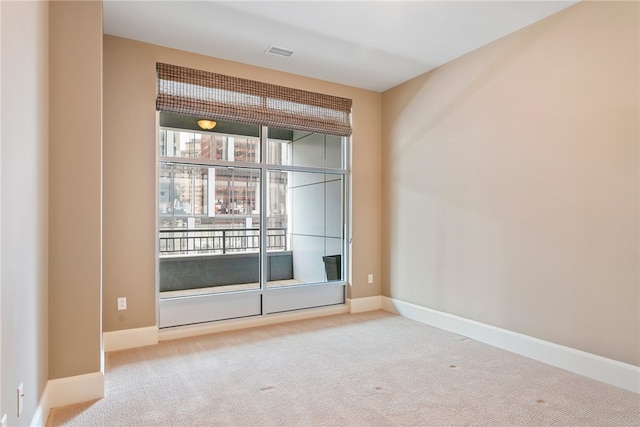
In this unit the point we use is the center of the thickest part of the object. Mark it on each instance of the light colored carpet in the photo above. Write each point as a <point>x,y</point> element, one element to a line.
<point>368,369</point>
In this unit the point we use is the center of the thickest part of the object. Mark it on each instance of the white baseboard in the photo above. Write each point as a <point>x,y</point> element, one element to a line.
<point>42,410</point>
<point>609,371</point>
<point>359,305</point>
<point>67,391</point>
<point>248,322</point>
<point>130,338</point>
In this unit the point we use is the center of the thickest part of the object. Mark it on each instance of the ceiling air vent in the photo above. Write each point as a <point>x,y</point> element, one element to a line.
<point>279,51</point>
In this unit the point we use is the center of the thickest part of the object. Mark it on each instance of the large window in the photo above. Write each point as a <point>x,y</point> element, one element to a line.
<point>251,213</point>
<point>222,230</point>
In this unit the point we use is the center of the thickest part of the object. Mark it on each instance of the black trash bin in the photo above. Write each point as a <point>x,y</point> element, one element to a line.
<point>333,267</point>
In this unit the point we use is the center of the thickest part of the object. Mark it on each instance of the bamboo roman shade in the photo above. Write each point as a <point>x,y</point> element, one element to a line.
<point>210,95</point>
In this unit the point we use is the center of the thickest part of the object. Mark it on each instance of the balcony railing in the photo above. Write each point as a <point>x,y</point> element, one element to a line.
<point>220,240</point>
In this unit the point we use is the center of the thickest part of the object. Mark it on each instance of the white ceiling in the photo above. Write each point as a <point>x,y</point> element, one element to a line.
<point>373,45</point>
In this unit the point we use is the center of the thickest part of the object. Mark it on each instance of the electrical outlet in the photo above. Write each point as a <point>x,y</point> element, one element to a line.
<point>122,303</point>
<point>20,398</point>
<point>370,278</point>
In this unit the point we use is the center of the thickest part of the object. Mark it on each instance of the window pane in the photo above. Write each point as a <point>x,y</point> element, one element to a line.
<point>209,146</point>
<point>311,212</point>
<point>294,148</point>
<point>209,234</point>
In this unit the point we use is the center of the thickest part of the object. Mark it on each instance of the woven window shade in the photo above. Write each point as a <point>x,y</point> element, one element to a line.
<point>215,96</point>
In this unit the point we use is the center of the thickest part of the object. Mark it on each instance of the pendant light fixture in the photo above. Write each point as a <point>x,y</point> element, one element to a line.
<point>206,124</point>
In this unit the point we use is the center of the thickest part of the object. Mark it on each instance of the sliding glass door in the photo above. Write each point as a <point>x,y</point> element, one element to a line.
<point>251,220</point>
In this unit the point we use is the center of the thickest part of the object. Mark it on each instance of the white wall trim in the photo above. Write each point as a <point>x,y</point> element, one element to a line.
<point>67,391</point>
<point>42,410</point>
<point>359,305</point>
<point>248,322</point>
<point>609,371</point>
<point>130,338</point>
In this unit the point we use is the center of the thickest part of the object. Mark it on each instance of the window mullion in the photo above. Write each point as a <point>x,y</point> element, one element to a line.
<point>264,186</point>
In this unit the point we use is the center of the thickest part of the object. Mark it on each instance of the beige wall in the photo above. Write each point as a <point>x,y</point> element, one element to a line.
<point>75,173</point>
<point>511,183</point>
<point>130,173</point>
<point>23,197</point>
